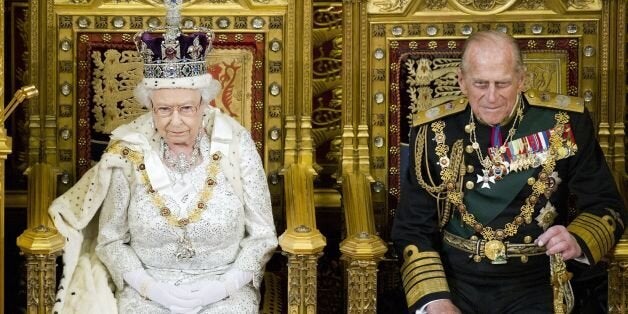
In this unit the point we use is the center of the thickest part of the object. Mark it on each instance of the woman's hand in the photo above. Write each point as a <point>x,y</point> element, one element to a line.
<point>207,291</point>
<point>175,298</point>
<point>211,291</point>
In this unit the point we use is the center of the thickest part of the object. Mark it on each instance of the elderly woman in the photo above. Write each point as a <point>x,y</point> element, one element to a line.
<point>185,222</point>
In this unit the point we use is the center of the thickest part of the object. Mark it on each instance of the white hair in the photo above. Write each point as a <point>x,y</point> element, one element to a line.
<point>205,83</point>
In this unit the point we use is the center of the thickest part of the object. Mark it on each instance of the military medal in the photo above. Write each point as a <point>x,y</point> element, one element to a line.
<point>485,178</point>
<point>495,164</point>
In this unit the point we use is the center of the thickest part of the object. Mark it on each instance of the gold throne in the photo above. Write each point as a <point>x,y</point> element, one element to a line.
<point>82,60</point>
<point>92,69</point>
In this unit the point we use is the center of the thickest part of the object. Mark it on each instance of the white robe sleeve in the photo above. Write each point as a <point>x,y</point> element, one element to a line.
<point>113,234</point>
<point>260,239</point>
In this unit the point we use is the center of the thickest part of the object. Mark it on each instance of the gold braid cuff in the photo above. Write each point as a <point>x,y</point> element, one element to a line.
<point>422,274</point>
<point>596,232</point>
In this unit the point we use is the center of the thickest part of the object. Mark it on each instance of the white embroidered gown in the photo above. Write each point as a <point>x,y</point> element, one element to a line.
<point>133,234</point>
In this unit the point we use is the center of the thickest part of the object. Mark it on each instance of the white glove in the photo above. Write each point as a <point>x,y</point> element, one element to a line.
<point>170,296</point>
<point>211,291</point>
<point>235,279</point>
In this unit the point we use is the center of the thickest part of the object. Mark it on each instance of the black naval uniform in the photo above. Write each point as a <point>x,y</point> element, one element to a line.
<point>451,261</point>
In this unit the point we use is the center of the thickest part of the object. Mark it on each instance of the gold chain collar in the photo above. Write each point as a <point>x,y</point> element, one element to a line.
<point>538,187</point>
<point>157,199</point>
<point>493,237</point>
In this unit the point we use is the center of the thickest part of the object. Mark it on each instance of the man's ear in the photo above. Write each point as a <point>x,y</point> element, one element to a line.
<point>523,78</point>
<point>461,83</point>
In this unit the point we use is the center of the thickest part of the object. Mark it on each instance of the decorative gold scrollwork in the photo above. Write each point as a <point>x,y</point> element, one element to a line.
<point>483,6</point>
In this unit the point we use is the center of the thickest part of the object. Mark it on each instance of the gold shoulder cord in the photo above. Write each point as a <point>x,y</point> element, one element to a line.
<point>449,165</point>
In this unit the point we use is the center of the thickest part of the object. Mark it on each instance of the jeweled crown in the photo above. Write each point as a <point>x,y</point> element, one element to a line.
<point>169,54</point>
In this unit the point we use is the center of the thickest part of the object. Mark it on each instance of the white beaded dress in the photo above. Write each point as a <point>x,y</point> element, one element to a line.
<point>233,231</point>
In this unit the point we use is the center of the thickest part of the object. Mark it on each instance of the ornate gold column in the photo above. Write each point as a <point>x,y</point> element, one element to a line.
<point>618,157</point>
<point>362,249</point>
<point>617,283</point>
<point>298,108</point>
<point>5,149</point>
<point>302,243</point>
<point>615,16</point>
<point>41,243</point>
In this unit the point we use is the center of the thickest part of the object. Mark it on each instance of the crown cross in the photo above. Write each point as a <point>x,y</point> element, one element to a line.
<point>170,51</point>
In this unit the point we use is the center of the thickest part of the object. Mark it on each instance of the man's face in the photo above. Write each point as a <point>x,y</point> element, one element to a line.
<point>178,115</point>
<point>490,81</point>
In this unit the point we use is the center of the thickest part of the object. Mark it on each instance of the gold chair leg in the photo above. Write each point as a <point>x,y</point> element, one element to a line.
<point>41,246</point>
<point>302,283</point>
<point>617,287</point>
<point>362,253</point>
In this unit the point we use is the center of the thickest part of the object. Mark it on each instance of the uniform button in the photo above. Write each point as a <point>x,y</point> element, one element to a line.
<point>469,185</point>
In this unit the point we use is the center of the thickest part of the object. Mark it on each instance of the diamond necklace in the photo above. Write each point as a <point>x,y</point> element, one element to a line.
<point>180,163</point>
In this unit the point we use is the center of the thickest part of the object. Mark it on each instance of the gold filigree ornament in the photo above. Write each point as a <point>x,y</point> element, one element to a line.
<point>546,216</point>
<point>527,209</point>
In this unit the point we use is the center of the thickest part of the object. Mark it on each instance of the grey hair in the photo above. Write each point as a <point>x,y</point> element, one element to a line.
<point>143,93</point>
<point>491,36</point>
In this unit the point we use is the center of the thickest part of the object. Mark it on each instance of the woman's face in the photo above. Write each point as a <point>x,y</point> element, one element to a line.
<point>178,116</point>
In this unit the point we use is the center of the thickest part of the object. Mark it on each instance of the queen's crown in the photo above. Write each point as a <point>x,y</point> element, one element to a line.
<point>170,54</point>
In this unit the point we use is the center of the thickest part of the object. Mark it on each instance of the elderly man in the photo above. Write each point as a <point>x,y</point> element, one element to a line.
<point>484,203</point>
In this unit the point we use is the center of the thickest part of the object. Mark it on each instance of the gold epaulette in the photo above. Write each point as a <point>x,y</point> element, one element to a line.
<point>439,111</point>
<point>555,101</point>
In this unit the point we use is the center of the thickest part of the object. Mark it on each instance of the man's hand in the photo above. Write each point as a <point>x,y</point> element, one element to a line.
<point>442,307</point>
<point>557,239</point>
